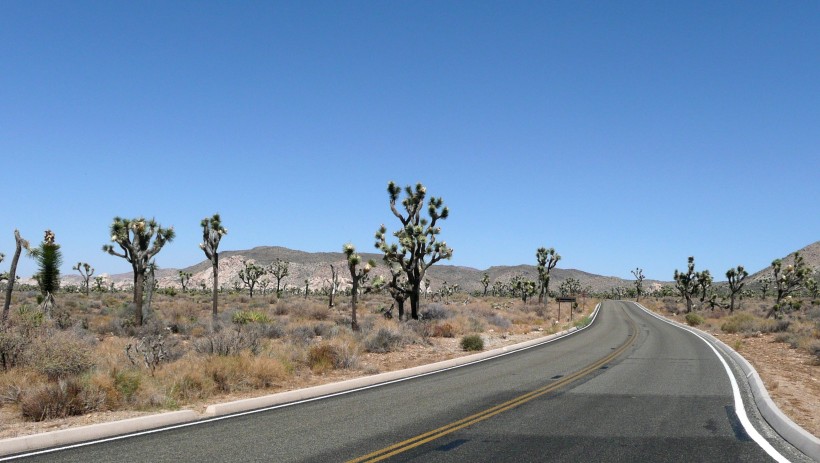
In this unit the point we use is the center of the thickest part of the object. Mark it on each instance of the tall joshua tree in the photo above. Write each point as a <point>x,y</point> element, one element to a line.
<point>140,240</point>
<point>547,260</point>
<point>212,233</point>
<point>86,271</point>
<point>704,283</point>
<point>687,283</point>
<point>418,247</point>
<point>20,245</point>
<point>735,277</point>
<point>787,281</point>
<point>357,275</point>
<point>279,269</point>
<point>49,258</point>
<point>184,278</point>
<point>485,281</point>
<point>638,272</point>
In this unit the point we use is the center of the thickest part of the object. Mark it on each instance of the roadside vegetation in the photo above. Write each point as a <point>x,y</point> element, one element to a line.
<point>91,356</point>
<point>68,351</point>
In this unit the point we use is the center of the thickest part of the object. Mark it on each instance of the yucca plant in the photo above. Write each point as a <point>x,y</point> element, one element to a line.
<point>547,260</point>
<point>212,233</point>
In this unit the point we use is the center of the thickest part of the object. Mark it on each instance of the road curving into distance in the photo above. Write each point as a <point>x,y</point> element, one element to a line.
<point>631,387</point>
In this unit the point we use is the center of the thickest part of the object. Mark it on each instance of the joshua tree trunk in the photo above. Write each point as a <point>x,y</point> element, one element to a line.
<point>21,243</point>
<point>354,324</point>
<point>139,280</point>
<point>215,265</point>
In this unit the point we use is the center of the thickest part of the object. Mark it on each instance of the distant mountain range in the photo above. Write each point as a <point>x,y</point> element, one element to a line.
<point>315,267</point>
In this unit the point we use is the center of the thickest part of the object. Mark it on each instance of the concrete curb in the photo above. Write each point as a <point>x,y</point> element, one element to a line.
<point>99,431</point>
<point>93,432</point>
<point>782,424</point>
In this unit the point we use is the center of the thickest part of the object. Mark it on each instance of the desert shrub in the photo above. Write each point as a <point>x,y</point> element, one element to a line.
<point>281,309</point>
<point>12,346</point>
<point>693,319</point>
<point>244,317</point>
<point>59,355</point>
<point>472,342</point>
<point>791,339</point>
<point>320,313</point>
<point>814,349</point>
<point>325,330</point>
<point>443,330</point>
<point>229,342</point>
<point>322,357</point>
<point>66,397</point>
<point>475,325</point>
<point>436,312</point>
<point>126,383</point>
<point>384,340</point>
<point>498,321</point>
<point>419,328</point>
<point>267,330</point>
<point>302,334</point>
<point>740,323</point>
<point>774,326</point>
<point>242,373</point>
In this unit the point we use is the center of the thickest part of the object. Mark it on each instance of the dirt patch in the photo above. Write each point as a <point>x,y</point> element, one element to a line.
<point>790,376</point>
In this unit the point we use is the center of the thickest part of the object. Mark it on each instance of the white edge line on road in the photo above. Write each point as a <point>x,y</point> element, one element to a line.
<point>274,407</point>
<point>740,409</point>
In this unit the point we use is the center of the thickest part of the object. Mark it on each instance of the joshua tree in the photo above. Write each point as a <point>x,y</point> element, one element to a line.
<point>417,238</point>
<point>140,240</point>
<point>307,287</point>
<point>704,283</point>
<point>570,287</point>
<point>86,271</point>
<point>811,287</point>
<point>398,289</point>
<point>357,275</point>
<point>527,288</point>
<point>279,270</point>
<point>334,285</point>
<point>485,281</point>
<point>250,275</point>
<point>547,260</point>
<point>787,281</point>
<point>735,277</point>
<point>212,233</point>
<point>184,278</point>
<point>99,283</point>
<point>638,272</point>
<point>12,274</point>
<point>687,283</point>
<point>49,259</point>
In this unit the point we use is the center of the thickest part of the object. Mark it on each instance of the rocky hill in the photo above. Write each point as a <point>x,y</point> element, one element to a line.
<point>811,256</point>
<point>315,267</point>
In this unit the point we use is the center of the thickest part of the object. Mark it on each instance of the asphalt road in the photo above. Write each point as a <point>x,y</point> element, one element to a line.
<point>628,388</point>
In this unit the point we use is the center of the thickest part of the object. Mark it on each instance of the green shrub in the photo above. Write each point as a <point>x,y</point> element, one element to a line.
<point>693,319</point>
<point>243,317</point>
<point>472,342</point>
<point>583,322</point>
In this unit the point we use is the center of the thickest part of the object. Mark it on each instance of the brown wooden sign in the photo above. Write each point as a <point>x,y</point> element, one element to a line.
<point>565,299</point>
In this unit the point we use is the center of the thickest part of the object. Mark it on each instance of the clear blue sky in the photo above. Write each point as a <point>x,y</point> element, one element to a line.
<point>623,134</point>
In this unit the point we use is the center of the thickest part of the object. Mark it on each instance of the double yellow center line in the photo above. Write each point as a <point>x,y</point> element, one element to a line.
<point>421,439</point>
